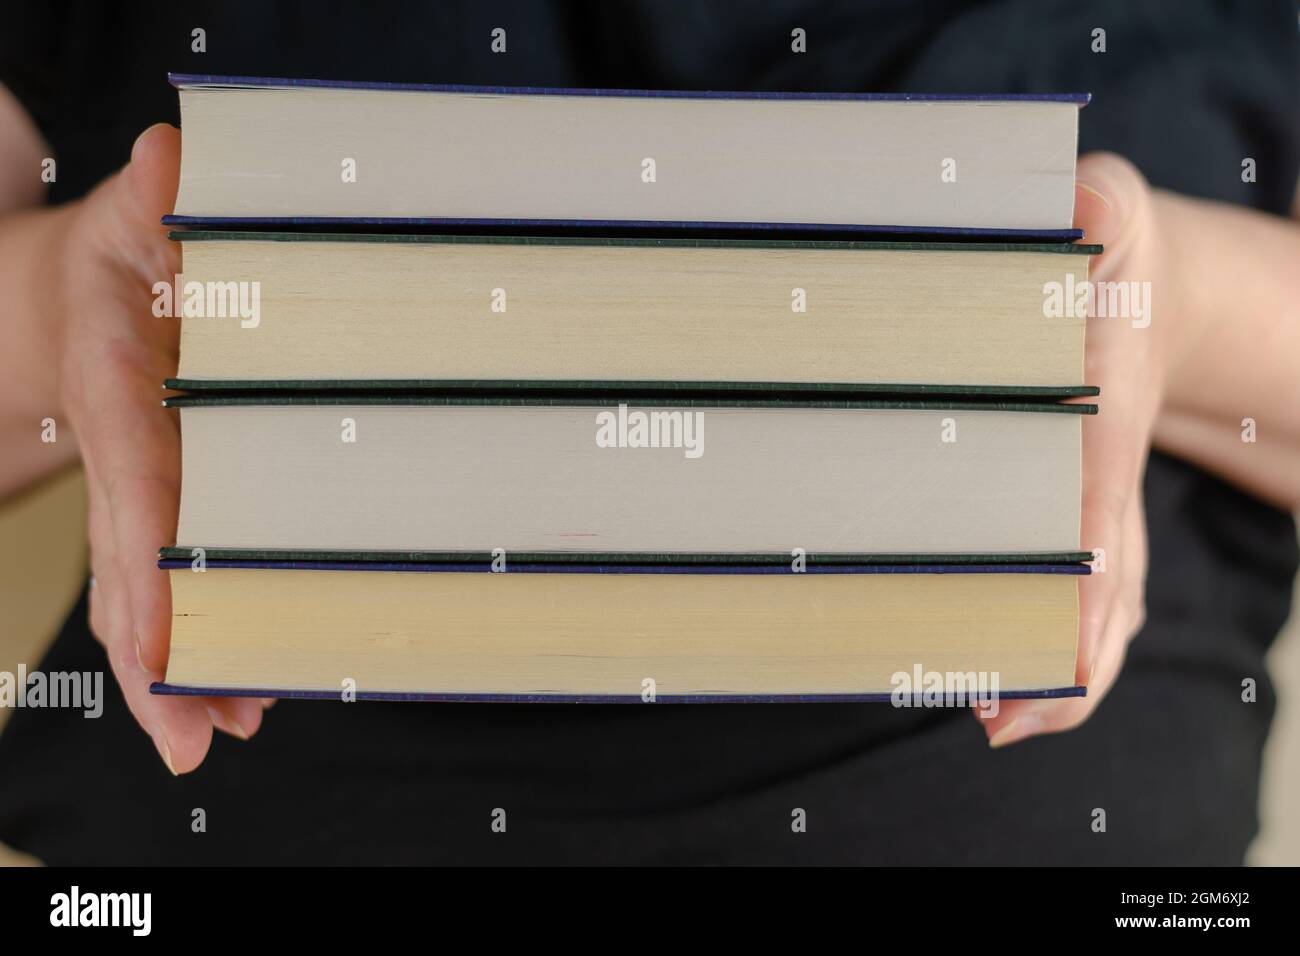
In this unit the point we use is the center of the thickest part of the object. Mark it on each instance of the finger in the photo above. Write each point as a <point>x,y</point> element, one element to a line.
<point>1110,204</point>
<point>135,471</point>
<point>1105,504</point>
<point>1020,719</point>
<point>180,728</point>
<point>136,199</point>
<point>237,716</point>
<point>180,740</point>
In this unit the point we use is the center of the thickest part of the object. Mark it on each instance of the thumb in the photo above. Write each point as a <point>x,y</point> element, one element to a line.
<point>151,177</point>
<point>128,207</point>
<point>1110,201</point>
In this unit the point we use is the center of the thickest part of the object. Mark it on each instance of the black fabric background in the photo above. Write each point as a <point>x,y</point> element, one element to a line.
<point>1186,90</point>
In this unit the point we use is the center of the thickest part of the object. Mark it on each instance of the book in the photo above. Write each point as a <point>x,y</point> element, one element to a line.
<point>274,150</point>
<point>615,634</point>
<point>501,394</point>
<point>478,473</point>
<point>349,311</point>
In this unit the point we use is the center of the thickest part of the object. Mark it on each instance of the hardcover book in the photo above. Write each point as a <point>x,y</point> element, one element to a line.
<point>429,312</point>
<point>478,473</point>
<point>276,150</point>
<point>620,633</point>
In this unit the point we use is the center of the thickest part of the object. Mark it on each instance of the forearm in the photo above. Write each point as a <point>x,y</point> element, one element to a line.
<point>31,249</point>
<point>1234,344</point>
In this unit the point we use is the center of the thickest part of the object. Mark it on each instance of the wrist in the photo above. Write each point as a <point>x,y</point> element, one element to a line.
<point>35,245</point>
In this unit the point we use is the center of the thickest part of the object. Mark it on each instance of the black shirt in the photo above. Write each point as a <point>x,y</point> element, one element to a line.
<point>1186,90</point>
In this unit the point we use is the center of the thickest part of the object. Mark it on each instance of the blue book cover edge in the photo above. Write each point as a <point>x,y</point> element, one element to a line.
<point>180,80</point>
<point>164,689</point>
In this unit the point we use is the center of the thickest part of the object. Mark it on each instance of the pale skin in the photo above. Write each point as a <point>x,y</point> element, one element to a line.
<point>79,344</point>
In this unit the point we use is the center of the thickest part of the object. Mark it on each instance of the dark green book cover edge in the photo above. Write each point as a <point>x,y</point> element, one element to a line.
<point>179,553</point>
<point>215,235</point>
<point>624,386</point>
<point>657,401</point>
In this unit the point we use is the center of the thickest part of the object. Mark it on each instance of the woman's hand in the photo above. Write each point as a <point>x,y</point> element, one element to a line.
<point>111,355</point>
<point>1128,357</point>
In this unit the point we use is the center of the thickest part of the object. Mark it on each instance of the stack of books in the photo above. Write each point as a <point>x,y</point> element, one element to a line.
<point>616,395</point>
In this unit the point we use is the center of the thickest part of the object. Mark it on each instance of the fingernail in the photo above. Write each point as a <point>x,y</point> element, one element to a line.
<point>1026,725</point>
<point>227,724</point>
<point>139,654</point>
<point>1084,184</point>
<point>160,741</point>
